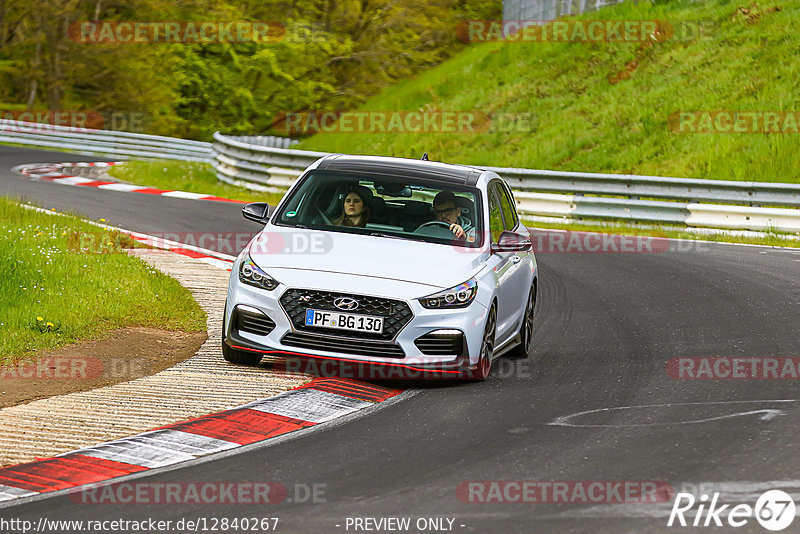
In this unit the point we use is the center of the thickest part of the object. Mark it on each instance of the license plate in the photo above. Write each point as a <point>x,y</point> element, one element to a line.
<point>344,321</point>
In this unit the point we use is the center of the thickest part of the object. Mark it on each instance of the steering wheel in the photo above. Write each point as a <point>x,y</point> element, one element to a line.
<point>438,229</point>
<point>434,223</point>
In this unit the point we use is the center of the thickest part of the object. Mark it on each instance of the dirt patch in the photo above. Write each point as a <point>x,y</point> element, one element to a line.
<point>126,354</point>
<point>752,14</point>
<point>659,36</point>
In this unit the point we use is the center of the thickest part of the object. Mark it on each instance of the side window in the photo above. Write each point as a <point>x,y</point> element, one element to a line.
<point>507,205</point>
<point>495,215</point>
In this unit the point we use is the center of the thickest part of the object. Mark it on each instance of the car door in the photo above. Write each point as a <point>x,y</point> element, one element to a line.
<point>507,301</point>
<point>520,275</point>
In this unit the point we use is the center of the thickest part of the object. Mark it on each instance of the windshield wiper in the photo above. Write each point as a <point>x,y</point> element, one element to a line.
<point>379,234</point>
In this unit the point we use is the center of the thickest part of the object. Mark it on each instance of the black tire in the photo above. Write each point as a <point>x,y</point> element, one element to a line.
<point>235,355</point>
<point>522,350</point>
<point>484,366</point>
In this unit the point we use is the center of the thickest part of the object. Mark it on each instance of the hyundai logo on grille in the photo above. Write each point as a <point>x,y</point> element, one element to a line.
<point>346,303</point>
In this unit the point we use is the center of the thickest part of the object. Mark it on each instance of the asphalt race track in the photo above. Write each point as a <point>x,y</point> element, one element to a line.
<point>606,326</point>
<point>152,214</point>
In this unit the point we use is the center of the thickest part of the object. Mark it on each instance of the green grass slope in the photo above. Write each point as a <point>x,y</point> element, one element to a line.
<point>605,106</point>
<point>65,280</point>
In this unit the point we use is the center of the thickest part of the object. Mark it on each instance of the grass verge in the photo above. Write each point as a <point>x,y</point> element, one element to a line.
<point>65,280</point>
<point>191,176</point>
<point>605,106</point>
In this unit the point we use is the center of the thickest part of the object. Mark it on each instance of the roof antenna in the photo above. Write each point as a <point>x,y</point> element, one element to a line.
<point>425,157</point>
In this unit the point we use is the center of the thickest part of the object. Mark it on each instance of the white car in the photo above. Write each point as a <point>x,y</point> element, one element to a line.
<point>376,263</point>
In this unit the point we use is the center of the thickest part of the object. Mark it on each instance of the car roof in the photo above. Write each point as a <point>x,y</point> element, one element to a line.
<point>403,167</point>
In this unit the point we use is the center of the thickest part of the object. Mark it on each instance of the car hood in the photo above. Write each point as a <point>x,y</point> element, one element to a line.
<point>436,265</point>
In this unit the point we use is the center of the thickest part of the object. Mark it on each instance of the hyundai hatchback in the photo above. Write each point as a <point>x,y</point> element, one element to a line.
<point>412,266</point>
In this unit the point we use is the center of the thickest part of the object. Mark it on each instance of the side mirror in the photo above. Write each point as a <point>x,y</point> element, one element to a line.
<point>512,242</point>
<point>256,212</point>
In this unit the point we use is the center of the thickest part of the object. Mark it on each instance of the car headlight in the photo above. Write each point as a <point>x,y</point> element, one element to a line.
<point>459,296</point>
<point>251,274</point>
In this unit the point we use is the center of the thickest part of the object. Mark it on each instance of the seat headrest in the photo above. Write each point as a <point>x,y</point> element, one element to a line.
<point>378,203</point>
<point>467,207</point>
<point>364,192</point>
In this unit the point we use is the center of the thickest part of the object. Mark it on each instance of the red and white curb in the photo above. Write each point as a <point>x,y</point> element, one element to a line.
<point>311,404</point>
<point>53,172</point>
<point>315,402</point>
<point>223,261</point>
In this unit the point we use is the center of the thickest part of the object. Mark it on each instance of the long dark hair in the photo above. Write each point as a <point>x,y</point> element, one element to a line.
<point>344,220</point>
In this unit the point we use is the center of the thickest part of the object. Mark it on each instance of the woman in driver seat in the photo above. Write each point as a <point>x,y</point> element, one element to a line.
<point>355,210</point>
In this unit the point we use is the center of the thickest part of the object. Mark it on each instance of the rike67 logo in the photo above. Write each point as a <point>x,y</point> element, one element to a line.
<point>774,510</point>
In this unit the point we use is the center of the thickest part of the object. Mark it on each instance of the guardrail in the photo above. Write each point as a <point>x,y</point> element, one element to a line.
<point>267,162</point>
<point>539,11</point>
<point>103,142</point>
<point>265,140</point>
<point>570,195</point>
<point>272,168</point>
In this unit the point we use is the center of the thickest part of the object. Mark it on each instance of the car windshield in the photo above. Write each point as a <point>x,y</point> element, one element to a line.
<point>382,206</point>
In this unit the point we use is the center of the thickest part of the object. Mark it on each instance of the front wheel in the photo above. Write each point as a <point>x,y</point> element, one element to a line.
<point>235,355</point>
<point>484,366</point>
<point>240,356</point>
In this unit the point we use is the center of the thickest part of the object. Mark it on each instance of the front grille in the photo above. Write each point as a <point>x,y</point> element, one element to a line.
<point>435,344</point>
<point>396,313</point>
<point>355,347</point>
<point>255,323</point>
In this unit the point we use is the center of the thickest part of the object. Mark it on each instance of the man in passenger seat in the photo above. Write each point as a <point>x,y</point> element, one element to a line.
<point>445,210</point>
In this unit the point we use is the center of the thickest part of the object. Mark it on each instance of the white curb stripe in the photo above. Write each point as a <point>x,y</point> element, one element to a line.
<point>309,405</point>
<point>8,493</point>
<point>222,264</point>
<point>120,187</point>
<point>184,194</point>
<point>73,180</point>
<point>184,442</point>
<point>129,451</point>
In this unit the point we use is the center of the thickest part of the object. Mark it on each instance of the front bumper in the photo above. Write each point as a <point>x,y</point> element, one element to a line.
<point>409,361</point>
